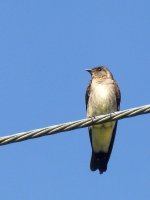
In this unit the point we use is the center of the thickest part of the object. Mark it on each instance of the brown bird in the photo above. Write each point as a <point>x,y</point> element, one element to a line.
<point>102,97</point>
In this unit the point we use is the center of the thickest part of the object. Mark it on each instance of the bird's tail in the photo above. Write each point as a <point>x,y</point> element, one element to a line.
<point>99,161</point>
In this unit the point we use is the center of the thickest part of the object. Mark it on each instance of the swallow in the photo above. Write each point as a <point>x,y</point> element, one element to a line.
<point>102,97</point>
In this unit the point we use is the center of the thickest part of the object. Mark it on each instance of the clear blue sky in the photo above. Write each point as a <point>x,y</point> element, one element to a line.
<point>44,48</point>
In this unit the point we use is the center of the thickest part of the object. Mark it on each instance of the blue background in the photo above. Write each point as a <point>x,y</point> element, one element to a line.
<point>44,48</point>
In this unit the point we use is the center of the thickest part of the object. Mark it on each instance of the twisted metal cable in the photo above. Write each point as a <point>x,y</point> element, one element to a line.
<point>74,125</point>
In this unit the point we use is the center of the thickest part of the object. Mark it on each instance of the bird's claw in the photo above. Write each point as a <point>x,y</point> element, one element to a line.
<point>93,118</point>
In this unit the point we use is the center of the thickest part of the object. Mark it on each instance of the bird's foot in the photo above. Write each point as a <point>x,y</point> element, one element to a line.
<point>93,118</point>
<point>111,114</point>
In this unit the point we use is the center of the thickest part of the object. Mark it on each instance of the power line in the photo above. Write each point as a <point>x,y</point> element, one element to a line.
<point>74,125</point>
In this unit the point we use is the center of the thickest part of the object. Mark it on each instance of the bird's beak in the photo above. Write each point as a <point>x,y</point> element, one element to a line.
<point>88,70</point>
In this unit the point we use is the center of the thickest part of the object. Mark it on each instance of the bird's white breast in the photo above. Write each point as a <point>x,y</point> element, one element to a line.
<point>102,99</point>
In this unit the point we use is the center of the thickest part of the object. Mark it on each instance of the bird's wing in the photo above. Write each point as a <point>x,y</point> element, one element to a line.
<point>118,95</point>
<point>86,101</point>
<point>87,94</point>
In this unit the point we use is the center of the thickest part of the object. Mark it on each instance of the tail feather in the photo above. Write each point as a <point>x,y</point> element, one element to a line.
<point>99,161</point>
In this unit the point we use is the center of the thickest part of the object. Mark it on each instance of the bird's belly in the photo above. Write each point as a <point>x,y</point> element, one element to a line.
<point>101,136</point>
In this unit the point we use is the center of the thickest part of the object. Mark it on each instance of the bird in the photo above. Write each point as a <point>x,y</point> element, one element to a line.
<point>103,96</point>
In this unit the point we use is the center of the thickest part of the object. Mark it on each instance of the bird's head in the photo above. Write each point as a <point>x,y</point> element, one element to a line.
<point>100,72</point>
